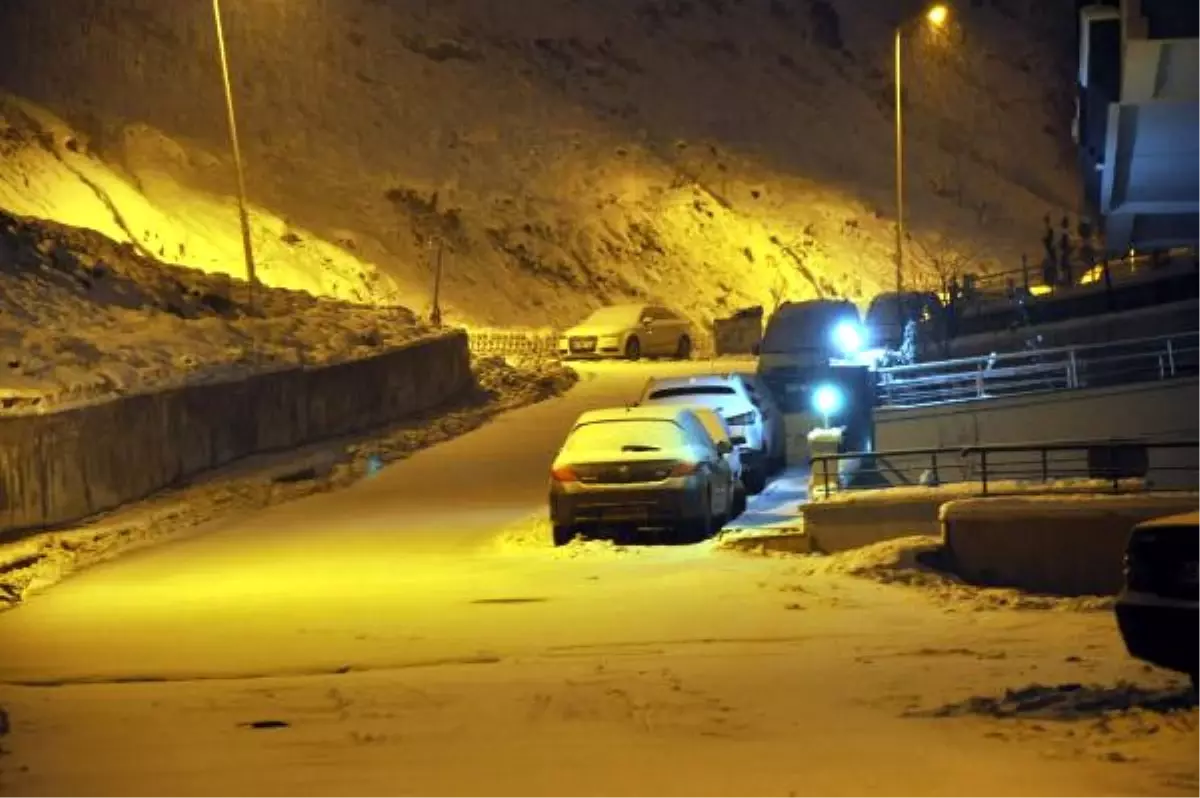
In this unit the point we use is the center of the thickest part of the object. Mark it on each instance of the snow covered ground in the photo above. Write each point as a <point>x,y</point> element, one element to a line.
<point>415,633</point>
<point>40,561</point>
<point>593,670</point>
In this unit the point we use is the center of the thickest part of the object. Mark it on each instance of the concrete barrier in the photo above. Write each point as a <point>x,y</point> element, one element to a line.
<point>834,526</point>
<point>1070,546</point>
<point>64,466</point>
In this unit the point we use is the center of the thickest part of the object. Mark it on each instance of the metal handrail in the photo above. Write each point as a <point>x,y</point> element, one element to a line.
<point>975,359</point>
<point>1041,449</point>
<point>1015,373</point>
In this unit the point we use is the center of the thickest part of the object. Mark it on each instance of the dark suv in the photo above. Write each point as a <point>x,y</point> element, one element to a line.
<point>1157,611</point>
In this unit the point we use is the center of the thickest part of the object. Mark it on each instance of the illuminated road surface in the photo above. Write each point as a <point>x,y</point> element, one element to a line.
<point>385,642</point>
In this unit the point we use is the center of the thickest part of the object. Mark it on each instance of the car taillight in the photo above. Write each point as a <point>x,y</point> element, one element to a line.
<point>741,419</point>
<point>684,469</point>
<point>564,474</point>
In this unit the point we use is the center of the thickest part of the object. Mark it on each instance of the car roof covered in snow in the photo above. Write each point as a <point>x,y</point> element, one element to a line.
<point>695,379</point>
<point>639,413</point>
<point>1191,519</point>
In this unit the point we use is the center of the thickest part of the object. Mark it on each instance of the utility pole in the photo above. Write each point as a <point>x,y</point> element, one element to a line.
<point>247,245</point>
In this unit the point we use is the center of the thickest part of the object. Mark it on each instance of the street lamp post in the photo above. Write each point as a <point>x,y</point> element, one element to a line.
<point>247,245</point>
<point>935,16</point>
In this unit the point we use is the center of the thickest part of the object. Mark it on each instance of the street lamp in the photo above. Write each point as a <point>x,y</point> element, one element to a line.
<point>247,246</point>
<point>935,16</point>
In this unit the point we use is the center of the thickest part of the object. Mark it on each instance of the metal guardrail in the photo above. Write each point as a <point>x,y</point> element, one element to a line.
<point>1117,462</point>
<point>1034,371</point>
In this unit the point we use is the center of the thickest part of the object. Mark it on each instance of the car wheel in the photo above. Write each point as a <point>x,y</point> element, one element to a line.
<point>563,534</point>
<point>756,481</point>
<point>684,350</point>
<point>633,348</point>
<point>739,501</point>
<point>697,529</point>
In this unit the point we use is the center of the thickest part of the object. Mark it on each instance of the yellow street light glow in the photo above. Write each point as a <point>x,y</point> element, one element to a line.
<point>937,15</point>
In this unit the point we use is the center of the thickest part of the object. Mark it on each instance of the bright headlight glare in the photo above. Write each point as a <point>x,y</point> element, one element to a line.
<point>828,399</point>
<point>848,337</point>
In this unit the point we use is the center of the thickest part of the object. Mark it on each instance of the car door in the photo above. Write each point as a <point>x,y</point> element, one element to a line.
<point>664,332</point>
<point>647,330</point>
<point>672,329</point>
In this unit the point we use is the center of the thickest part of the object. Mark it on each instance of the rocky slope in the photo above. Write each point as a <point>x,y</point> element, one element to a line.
<point>83,317</point>
<point>711,153</point>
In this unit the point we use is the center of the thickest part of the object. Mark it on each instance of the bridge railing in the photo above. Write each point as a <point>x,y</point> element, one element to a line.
<point>1034,371</point>
<point>1116,466</point>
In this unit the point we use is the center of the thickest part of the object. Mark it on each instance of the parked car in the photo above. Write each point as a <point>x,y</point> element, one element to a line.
<point>641,467</point>
<point>729,395</point>
<point>629,331</point>
<point>722,438</point>
<point>1157,610</point>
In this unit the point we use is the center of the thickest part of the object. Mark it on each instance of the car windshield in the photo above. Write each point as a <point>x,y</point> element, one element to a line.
<point>634,435</point>
<point>618,315</point>
<point>692,390</point>
<point>807,326</point>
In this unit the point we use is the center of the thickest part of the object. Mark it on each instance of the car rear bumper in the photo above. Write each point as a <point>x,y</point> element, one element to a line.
<point>650,504</point>
<point>1163,632</point>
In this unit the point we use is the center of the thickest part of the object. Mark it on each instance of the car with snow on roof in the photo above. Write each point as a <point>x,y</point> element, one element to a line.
<point>640,468</point>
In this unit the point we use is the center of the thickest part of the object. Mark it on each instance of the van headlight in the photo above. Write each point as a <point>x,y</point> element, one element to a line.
<point>849,337</point>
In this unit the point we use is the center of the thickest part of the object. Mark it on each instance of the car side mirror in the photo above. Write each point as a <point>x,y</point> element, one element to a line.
<point>737,440</point>
<point>647,321</point>
<point>724,447</point>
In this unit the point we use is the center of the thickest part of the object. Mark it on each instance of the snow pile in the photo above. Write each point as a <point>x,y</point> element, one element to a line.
<point>1116,722</point>
<point>45,558</point>
<point>1072,701</point>
<point>916,562</point>
<point>84,317</point>
<point>522,380</point>
<point>533,535</point>
<point>715,155</point>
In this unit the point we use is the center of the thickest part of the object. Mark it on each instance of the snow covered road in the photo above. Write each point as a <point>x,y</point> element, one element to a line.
<point>386,639</point>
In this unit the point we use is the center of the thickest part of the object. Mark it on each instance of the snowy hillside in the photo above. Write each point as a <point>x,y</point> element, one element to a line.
<point>712,153</point>
<point>83,317</point>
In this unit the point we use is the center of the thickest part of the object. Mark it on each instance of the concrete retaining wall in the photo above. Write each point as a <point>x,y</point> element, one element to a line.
<point>837,526</point>
<point>1070,547</point>
<point>1145,410</point>
<point>64,466</point>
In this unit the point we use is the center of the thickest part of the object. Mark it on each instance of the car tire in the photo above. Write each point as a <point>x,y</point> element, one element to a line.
<point>694,530</point>
<point>756,481</point>
<point>633,348</point>
<point>739,502</point>
<point>683,351</point>
<point>563,534</point>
